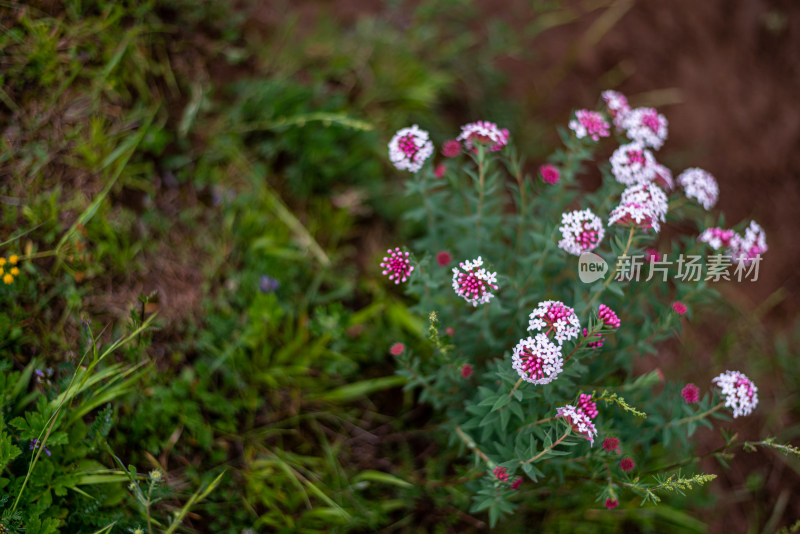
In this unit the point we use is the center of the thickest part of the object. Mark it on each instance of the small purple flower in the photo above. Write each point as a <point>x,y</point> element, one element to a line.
<point>35,445</point>
<point>267,284</point>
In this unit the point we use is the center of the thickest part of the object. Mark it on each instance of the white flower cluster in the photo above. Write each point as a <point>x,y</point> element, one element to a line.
<point>645,126</point>
<point>409,148</point>
<point>580,422</point>
<point>647,194</point>
<point>740,393</point>
<point>636,214</point>
<point>483,132</point>
<point>555,317</point>
<point>700,185</point>
<point>473,282</point>
<point>581,231</point>
<point>537,360</point>
<point>746,248</point>
<point>617,106</point>
<point>633,164</point>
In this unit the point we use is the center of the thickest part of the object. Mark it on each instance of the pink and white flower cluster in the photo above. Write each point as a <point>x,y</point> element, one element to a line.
<point>397,265</point>
<point>483,132</point>
<point>537,359</point>
<point>700,185</point>
<point>409,148</point>
<point>645,126</point>
<point>556,318</point>
<point>581,231</point>
<point>741,395</point>
<point>644,205</point>
<point>473,282</point>
<point>740,248</point>
<point>580,422</point>
<point>589,124</point>
<point>633,164</point>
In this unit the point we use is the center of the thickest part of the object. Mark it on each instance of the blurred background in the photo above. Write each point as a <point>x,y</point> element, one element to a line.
<point>264,155</point>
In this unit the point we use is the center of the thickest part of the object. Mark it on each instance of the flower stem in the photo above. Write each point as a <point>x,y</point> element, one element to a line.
<point>515,387</point>
<point>548,449</point>
<point>469,442</point>
<point>697,417</point>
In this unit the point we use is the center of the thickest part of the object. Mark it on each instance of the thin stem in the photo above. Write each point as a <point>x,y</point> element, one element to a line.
<point>469,442</point>
<point>515,387</point>
<point>697,417</point>
<point>147,508</point>
<point>481,191</point>
<point>548,449</point>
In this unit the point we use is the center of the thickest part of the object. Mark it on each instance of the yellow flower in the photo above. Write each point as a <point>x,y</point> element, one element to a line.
<point>13,259</point>
<point>155,474</point>
<point>7,278</point>
<point>14,271</point>
<point>2,261</point>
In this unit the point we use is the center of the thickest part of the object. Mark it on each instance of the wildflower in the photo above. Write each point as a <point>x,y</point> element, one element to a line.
<point>439,170</point>
<point>451,148</point>
<point>700,185</point>
<point>549,174</point>
<point>627,464</point>
<point>739,391</point>
<point>267,284</point>
<point>679,307</point>
<point>717,238</point>
<point>397,265</point>
<point>501,473</point>
<point>138,531</point>
<point>580,422</point>
<point>652,254</point>
<point>516,484</point>
<point>581,231</point>
<point>483,132</point>
<point>608,316</point>
<point>594,344</point>
<point>746,248</point>
<point>443,258</point>
<point>397,349</point>
<point>663,177</point>
<point>690,393</point>
<point>156,475</point>
<point>589,123</point>
<point>8,279</point>
<point>474,283</point>
<point>611,503</point>
<point>537,360</point>
<point>555,316</point>
<point>617,106</point>
<point>611,444</point>
<point>35,445</point>
<point>645,126</point>
<point>449,331</point>
<point>466,370</point>
<point>635,214</point>
<point>409,148</point>
<point>633,164</point>
<point>648,194</point>
<point>586,406</point>
<point>2,262</point>
<point>13,259</point>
